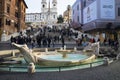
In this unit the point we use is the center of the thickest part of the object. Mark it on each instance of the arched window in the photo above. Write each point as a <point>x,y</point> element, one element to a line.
<point>54,16</point>
<point>43,6</point>
<point>54,5</point>
<point>0,22</point>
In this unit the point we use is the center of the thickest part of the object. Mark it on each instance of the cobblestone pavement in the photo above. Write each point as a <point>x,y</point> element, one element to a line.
<point>111,72</point>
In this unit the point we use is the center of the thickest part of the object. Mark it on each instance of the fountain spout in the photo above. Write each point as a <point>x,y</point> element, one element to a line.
<point>64,55</point>
<point>65,47</point>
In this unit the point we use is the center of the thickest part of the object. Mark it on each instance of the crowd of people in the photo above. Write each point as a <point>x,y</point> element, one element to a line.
<point>44,38</point>
<point>84,40</point>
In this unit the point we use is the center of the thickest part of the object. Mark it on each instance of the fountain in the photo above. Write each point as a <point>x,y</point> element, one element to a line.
<point>33,60</point>
<point>61,57</point>
<point>64,52</point>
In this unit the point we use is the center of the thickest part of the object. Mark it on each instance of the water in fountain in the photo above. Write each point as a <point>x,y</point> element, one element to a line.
<point>43,59</point>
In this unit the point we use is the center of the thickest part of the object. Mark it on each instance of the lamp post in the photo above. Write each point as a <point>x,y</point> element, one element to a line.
<point>68,10</point>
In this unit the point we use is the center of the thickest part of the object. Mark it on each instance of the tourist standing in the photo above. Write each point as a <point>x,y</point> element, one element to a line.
<point>63,41</point>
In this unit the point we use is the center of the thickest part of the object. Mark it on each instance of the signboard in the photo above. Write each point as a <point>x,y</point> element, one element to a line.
<point>107,9</point>
<point>90,13</point>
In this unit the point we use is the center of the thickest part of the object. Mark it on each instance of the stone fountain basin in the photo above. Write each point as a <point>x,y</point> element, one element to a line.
<point>42,61</point>
<point>8,58</point>
<point>7,52</point>
<point>46,60</point>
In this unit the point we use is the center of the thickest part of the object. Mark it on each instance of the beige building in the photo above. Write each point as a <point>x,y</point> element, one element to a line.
<point>67,16</point>
<point>12,15</point>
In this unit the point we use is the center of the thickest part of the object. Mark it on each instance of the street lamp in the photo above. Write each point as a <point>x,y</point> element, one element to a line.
<point>68,10</point>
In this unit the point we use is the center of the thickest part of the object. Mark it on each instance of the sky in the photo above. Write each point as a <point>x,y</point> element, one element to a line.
<point>34,6</point>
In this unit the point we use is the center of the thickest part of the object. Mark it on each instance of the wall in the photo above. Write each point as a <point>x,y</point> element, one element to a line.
<point>77,12</point>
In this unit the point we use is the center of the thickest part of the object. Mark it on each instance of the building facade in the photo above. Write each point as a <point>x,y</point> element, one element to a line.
<point>77,13</point>
<point>12,15</point>
<point>33,17</point>
<point>47,16</point>
<point>67,15</point>
<point>101,18</point>
<point>49,13</point>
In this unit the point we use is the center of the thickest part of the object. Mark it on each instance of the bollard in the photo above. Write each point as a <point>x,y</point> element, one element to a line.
<point>46,50</point>
<point>13,53</point>
<point>75,49</point>
<point>90,65</point>
<point>59,69</point>
<point>31,68</point>
<point>106,61</point>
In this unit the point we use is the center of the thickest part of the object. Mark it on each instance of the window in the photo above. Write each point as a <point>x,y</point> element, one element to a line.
<point>73,12</point>
<point>16,24</point>
<point>0,6</point>
<point>16,14</point>
<point>24,9</point>
<point>84,3</point>
<point>119,11</point>
<point>17,3</point>
<point>43,16</point>
<point>8,22</point>
<point>77,7</point>
<point>24,18</point>
<point>0,22</point>
<point>54,5</point>
<point>40,16</point>
<point>8,8</point>
<point>35,17</point>
<point>54,16</point>
<point>78,18</point>
<point>43,6</point>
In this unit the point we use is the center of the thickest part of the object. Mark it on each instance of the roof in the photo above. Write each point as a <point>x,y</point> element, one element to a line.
<point>25,3</point>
